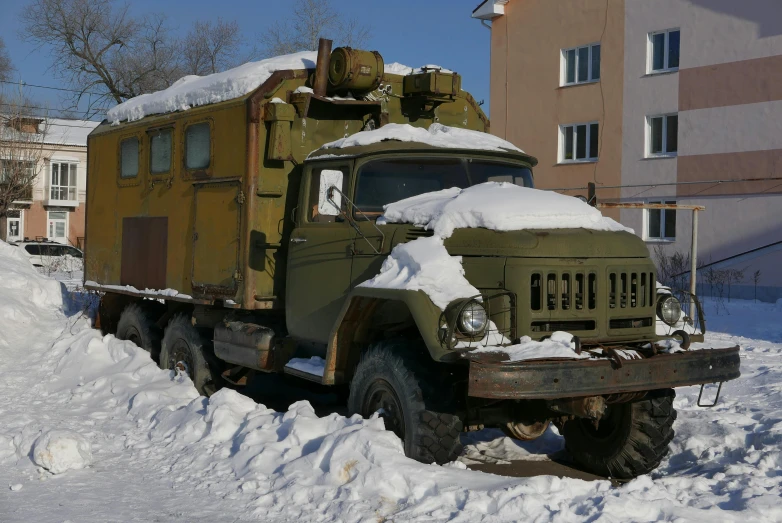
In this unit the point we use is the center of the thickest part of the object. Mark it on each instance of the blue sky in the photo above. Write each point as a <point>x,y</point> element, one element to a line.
<point>413,32</point>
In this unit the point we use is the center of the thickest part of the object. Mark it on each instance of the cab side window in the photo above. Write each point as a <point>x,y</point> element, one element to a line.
<point>128,152</point>
<point>197,146</point>
<point>313,215</point>
<point>160,151</point>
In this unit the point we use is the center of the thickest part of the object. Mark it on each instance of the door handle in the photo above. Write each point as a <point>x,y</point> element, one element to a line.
<point>298,240</point>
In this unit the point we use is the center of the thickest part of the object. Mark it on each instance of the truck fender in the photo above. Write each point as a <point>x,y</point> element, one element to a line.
<point>363,312</point>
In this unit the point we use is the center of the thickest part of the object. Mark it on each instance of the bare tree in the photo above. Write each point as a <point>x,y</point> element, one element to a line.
<point>211,47</point>
<point>107,55</point>
<point>309,21</point>
<point>5,63</point>
<point>21,156</point>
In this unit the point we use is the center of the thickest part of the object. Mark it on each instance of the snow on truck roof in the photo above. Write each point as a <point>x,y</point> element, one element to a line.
<point>192,91</point>
<point>438,135</point>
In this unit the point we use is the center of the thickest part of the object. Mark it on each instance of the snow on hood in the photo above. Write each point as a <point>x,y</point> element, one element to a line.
<point>498,206</point>
<point>437,135</point>
<point>191,91</point>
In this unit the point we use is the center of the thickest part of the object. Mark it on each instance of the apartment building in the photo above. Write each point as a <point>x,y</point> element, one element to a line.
<point>654,101</point>
<point>54,208</point>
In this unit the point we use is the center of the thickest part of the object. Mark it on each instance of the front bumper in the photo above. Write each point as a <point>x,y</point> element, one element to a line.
<point>492,378</point>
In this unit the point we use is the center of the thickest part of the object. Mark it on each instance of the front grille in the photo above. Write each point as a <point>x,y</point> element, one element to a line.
<point>630,323</point>
<point>563,325</point>
<point>563,291</point>
<point>630,290</point>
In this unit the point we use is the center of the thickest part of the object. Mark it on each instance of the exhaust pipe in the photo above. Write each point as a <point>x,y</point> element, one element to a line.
<point>322,67</point>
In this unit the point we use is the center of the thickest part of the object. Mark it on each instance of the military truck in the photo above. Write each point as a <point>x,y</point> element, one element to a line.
<point>210,239</point>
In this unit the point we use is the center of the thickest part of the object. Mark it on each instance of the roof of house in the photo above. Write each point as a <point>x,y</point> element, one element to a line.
<point>68,132</point>
<point>489,9</point>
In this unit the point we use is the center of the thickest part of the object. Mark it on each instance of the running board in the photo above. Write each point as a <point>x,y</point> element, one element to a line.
<point>309,369</point>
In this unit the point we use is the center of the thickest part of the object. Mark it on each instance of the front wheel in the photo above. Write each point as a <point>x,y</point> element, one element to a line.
<point>185,350</point>
<point>630,440</point>
<point>391,379</point>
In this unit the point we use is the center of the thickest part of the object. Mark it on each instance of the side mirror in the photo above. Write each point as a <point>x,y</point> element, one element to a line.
<point>330,202</point>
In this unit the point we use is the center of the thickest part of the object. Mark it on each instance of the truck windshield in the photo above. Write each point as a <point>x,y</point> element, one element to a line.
<point>381,182</point>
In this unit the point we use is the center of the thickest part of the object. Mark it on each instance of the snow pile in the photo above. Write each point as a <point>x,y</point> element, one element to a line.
<point>559,346</point>
<point>424,264</point>
<point>192,91</point>
<point>437,135</point>
<point>61,450</point>
<point>499,206</point>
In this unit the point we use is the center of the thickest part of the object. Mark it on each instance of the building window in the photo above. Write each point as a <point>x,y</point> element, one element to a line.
<point>160,151</point>
<point>661,223</point>
<point>14,231</point>
<point>16,171</point>
<point>128,158</point>
<point>197,146</point>
<point>58,225</point>
<point>63,181</point>
<point>579,142</point>
<point>580,65</point>
<point>663,135</point>
<point>663,51</point>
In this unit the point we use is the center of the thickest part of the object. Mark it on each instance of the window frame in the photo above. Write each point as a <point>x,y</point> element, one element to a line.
<point>650,51</point>
<point>208,172</point>
<point>130,181</point>
<point>66,220</point>
<point>561,143</point>
<point>71,163</point>
<point>306,218</point>
<point>590,73</point>
<point>663,212</point>
<point>150,132</point>
<point>648,136</point>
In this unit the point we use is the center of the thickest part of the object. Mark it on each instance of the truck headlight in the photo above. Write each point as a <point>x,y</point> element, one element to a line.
<point>669,309</point>
<point>472,319</point>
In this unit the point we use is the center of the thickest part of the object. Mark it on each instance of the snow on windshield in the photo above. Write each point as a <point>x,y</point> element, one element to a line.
<point>437,135</point>
<point>497,206</point>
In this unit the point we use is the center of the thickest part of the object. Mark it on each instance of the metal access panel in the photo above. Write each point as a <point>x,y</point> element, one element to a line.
<point>215,270</point>
<point>144,252</point>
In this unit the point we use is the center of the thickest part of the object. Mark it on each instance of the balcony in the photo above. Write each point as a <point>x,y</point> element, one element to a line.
<point>25,198</point>
<point>61,196</point>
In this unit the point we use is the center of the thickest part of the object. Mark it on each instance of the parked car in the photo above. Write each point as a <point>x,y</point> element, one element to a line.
<point>52,256</point>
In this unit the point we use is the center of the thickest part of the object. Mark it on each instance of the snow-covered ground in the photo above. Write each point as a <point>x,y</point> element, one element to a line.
<point>130,442</point>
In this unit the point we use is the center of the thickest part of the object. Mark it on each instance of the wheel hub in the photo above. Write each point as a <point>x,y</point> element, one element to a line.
<point>181,360</point>
<point>382,398</point>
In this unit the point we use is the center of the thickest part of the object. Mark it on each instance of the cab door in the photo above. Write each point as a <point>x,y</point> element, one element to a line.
<point>319,260</point>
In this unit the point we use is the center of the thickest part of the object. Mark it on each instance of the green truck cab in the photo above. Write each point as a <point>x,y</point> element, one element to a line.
<point>263,261</point>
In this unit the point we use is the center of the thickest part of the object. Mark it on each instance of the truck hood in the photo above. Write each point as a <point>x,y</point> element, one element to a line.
<point>551,243</point>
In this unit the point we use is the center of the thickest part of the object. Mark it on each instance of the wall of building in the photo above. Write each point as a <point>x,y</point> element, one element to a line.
<point>726,93</point>
<point>526,46</point>
<point>36,215</point>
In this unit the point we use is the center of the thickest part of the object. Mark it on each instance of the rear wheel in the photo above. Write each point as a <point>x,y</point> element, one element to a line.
<point>395,381</point>
<point>137,324</point>
<point>185,350</point>
<point>630,440</point>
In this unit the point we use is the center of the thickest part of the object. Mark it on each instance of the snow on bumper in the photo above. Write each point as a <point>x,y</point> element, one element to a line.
<point>490,377</point>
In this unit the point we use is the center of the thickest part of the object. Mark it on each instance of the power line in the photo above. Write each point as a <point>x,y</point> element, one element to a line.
<point>26,106</point>
<point>25,84</point>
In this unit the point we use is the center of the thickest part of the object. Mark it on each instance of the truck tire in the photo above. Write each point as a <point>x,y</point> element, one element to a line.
<point>631,439</point>
<point>392,378</point>
<point>137,324</point>
<point>184,349</point>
